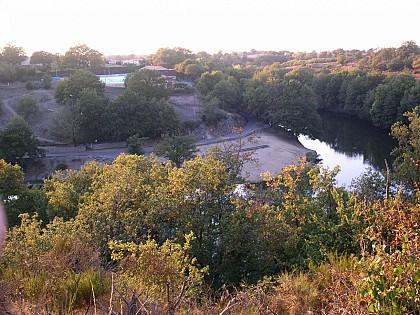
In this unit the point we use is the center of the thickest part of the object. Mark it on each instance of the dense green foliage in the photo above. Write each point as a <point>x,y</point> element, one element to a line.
<point>27,107</point>
<point>87,115</point>
<point>152,237</point>
<point>70,89</point>
<point>17,141</point>
<point>147,84</point>
<point>408,150</point>
<point>375,85</point>
<point>18,197</point>
<point>82,57</point>
<point>140,210</point>
<point>176,148</point>
<point>168,58</point>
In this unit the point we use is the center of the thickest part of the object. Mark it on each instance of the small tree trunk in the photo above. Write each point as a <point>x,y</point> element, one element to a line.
<point>387,180</point>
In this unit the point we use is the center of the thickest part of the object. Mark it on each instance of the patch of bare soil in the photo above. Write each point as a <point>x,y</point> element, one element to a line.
<point>189,107</point>
<point>269,152</point>
<point>9,97</point>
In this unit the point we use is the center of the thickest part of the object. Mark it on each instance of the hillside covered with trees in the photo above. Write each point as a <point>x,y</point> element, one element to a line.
<point>139,236</point>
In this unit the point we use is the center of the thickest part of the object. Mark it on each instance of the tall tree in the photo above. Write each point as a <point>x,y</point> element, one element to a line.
<point>133,114</point>
<point>8,72</point>
<point>27,107</point>
<point>388,96</point>
<point>13,54</point>
<point>176,148</point>
<point>94,112</point>
<point>66,122</point>
<point>17,141</point>
<point>407,162</point>
<point>288,104</point>
<point>71,88</point>
<point>42,57</point>
<point>83,57</point>
<point>208,80</point>
<point>147,83</point>
<point>229,93</point>
<point>168,58</point>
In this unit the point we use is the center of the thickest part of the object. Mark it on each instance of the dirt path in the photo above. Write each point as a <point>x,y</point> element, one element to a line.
<point>9,95</point>
<point>6,105</point>
<point>7,101</point>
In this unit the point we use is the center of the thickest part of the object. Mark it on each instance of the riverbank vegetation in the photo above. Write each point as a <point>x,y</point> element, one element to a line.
<point>281,88</point>
<point>141,236</point>
<point>138,235</point>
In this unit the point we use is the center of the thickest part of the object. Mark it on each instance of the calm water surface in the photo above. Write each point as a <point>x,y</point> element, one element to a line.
<point>353,144</point>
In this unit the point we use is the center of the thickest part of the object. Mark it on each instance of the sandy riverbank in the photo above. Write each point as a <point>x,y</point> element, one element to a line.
<point>276,152</point>
<point>273,151</point>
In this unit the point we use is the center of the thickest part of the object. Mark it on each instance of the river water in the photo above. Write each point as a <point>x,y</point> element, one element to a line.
<point>353,144</point>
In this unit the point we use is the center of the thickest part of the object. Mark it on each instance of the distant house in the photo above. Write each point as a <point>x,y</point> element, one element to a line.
<point>131,62</point>
<point>169,75</point>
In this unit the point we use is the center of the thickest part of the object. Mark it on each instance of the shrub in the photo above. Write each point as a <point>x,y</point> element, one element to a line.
<point>27,107</point>
<point>134,145</point>
<point>54,266</point>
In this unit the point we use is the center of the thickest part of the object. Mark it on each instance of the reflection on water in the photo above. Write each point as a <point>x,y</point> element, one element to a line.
<point>352,144</point>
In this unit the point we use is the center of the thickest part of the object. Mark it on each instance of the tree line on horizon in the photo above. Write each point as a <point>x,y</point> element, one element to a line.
<point>404,58</point>
<point>283,95</point>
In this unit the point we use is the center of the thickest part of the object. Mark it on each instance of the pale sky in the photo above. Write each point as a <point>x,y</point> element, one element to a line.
<point>143,26</point>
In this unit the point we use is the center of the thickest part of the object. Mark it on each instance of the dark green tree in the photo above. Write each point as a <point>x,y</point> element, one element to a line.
<point>134,145</point>
<point>17,141</point>
<point>229,93</point>
<point>66,122</point>
<point>27,107</point>
<point>42,57</point>
<point>133,114</point>
<point>7,72</point>
<point>147,84</point>
<point>213,112</point>
<point>208,80</point>
<point>169,58</point>
<point>176,148</point>
<point>82,57</point>
<point>93,110</point>
<point>46,81</point>
<point>298,109</point>
<point>388,96</point>
<point>71,88</point>
<point>13,55</point>
<point>287,104</point>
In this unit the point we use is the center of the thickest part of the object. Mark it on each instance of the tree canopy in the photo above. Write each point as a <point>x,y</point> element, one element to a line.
<point>176,148</point>
<point>27,107</point>
<point>168,58</point>
<point>13,55</point>
<point>408,149</point>
<point>82,57</point>
<point>71,88</point>
<point>17,141</point>
<point>147,83</point>
<point>42,57</point>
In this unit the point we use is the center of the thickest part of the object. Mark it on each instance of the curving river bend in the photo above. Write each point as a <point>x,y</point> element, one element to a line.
<point>352,144</point>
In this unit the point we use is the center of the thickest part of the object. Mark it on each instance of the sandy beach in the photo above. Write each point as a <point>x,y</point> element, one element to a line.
<point>273,152</point>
